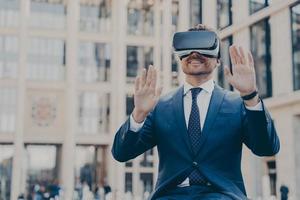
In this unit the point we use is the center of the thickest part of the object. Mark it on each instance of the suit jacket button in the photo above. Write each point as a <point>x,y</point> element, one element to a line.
<point>195,164</point>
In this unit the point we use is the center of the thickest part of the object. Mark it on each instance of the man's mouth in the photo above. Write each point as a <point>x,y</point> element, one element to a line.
<point>195,62</point>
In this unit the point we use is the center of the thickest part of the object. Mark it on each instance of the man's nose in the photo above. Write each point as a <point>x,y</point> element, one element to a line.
<point>195,53</point>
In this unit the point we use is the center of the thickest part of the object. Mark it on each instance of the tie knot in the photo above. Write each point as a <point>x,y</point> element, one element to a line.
<point>195,92</point>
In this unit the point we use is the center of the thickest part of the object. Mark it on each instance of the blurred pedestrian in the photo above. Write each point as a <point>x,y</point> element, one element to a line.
<point>284,190</point>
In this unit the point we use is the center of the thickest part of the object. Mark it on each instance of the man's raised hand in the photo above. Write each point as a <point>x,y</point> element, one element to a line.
<point>243,71</point>
<point>146,93</point>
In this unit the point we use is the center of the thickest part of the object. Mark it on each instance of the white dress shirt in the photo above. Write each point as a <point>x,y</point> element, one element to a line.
<point>203,100</point>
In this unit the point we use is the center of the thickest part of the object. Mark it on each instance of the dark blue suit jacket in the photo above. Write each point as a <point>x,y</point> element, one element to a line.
<point>227,126</point>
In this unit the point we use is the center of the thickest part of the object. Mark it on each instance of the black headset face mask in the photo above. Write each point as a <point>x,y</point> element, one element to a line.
<point>204,42</point>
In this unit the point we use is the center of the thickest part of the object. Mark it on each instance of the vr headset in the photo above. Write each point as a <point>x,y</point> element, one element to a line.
<point>203,42</point>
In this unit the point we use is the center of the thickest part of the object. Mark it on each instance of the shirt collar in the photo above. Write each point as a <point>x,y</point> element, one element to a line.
<point>208,86</point>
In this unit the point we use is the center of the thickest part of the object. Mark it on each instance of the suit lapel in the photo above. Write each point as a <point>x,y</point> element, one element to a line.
<point>177,105</point>
<point>213,109</point>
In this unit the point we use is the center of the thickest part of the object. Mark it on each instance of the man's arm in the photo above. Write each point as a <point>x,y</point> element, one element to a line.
<point>129,143</point>
<point>259,133</point>
<point>137,134</point>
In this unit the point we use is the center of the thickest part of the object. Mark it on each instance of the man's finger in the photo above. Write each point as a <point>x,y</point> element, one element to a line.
<point>143,78</point>
<point>250,59</point>
<point>233,61</point>
<point>149,75</point>
<point>236,55</point>
<point>242,55</point>
<point>227,73</point>
<point>137,84</point>
<point>154,79</point>
<point>158,92</point>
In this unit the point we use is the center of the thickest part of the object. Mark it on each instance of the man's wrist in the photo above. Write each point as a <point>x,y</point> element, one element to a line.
<point>252,102</point>
<point>138,116</point>
<point>249,95</point>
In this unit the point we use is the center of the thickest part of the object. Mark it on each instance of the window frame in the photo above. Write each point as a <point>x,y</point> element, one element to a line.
<point>293,49</point>
<point>230,20</point>
<point>267,58</point>
<point>251,11</point>
<point>200,13</point>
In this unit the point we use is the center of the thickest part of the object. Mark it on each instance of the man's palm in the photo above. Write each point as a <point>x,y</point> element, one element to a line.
<point>243,71</point>
<point>146,94</point>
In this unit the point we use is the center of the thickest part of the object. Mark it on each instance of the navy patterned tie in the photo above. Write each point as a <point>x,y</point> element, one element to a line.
<point>194,131</point>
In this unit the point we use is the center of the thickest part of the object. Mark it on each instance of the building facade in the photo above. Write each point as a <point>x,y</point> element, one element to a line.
<point>67,69</point>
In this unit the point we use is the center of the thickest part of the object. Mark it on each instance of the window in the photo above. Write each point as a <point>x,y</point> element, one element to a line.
<point>9,13</point>
<point>128,183</point>
<point>175,15</point>
<point>256,5</point>
<point>93,113</point>
<point>260,48</point>
<point>175,71</point>
<point>175,64</point>
<point>90,171</point>
<point>9,56</point>
<point>94,62</point>
<point>147,159</point>
<point>295,14</point>
<point>95,16</point>
<point>146,181</point>
<point>195,12</point>
<point>46,59</point>
<point>128,164</point>
<point>271,166</point>
<point>48,14</point>
<point>137,57</point>
<point>129,104</point>
<point>6,162</point>
<point>8,109</point>
<point>129,109</point>
<point>224,16</point>
<point>42,166</point>
<point>225,60</point>
<point>140,17</point>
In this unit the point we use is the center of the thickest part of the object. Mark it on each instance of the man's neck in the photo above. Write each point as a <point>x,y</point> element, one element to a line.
<point>197,80</point>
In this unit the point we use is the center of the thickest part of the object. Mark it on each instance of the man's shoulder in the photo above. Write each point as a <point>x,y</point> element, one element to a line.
<point>232,95</point>
<point>232,99</point>
<point>167,97</point>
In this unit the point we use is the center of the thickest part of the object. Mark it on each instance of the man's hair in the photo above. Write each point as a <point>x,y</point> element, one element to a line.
<point>202,27</point>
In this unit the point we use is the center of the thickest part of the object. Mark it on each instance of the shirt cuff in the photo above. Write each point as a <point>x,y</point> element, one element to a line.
<point>257,107</point>
<point>135,126</point>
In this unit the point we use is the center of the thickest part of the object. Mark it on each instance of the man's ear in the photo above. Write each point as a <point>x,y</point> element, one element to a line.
<point>218,62</point>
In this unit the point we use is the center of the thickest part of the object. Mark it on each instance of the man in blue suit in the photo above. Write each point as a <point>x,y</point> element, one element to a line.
<point>200,128</point>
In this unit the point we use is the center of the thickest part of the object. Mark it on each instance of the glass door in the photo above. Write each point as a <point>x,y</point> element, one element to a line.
<point>42,171</point>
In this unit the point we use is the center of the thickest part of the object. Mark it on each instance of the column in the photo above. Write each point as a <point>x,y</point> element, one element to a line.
<point>167,44</point>
<point>16,185</point>
<point>183,25</point>
<point>118,92</point>
<point>285,160</point>
<point>209,13</point>
<point>68,148</point>
<point>157,62</point>
<point>282,66</point>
